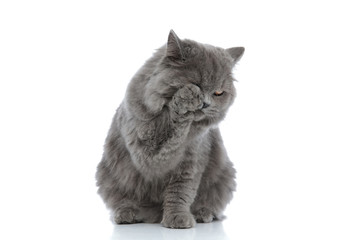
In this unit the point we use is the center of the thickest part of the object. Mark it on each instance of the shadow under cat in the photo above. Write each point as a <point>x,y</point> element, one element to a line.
<point>212,230</point>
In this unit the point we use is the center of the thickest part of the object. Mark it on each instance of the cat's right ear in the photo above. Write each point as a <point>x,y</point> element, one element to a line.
<point>174,48</point>
<point>236,53</point>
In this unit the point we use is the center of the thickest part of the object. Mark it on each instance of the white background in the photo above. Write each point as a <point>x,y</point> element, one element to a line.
<point>293,132</point>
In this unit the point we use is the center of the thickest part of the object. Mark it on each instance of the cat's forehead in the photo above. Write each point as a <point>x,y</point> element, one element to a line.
<point>205,65</point>
<point>213,64</point>
<point>212,55</point>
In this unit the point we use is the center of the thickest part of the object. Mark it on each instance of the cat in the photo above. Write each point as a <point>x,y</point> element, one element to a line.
<point>164,159</point>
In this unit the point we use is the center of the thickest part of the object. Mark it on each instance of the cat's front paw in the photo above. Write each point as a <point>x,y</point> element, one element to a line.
<point>182,220</point>
<point>186,101</point>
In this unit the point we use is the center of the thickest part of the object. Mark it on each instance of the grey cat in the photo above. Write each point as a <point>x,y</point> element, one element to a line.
<point>164,159</point>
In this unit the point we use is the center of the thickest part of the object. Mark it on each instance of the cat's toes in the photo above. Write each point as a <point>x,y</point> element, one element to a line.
<point>187,99</point>
<point>183,220</point>
<point>204,215</point>
<point>123,216</point>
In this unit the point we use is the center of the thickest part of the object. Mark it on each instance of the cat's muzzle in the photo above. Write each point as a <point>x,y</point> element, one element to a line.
<point>205,105</point>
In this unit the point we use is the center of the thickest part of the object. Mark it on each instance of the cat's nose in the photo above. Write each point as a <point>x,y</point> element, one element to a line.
<point>205,105</point>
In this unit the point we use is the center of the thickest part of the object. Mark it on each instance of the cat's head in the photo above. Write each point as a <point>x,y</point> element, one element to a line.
<point>208,67</point>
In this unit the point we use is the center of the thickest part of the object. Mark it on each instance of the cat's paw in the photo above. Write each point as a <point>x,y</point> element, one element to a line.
<point>204,215</point>
<point>124,216</point>
<point>182,220</point>
<point>187,100</point>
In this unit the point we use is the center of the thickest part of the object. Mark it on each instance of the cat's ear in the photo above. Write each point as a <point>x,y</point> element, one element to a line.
<point>236,53</point>
<point>174,48</point>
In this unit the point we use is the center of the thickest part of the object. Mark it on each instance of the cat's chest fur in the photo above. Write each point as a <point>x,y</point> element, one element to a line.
<point>150,188</point>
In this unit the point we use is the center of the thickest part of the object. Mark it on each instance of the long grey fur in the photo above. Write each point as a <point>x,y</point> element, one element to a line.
<point>164,159</point>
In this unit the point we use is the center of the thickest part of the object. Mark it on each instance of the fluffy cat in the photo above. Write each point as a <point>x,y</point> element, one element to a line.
<point>164,159</point>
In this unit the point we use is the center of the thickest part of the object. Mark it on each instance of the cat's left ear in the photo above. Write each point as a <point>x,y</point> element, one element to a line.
<point>236,53</point>
<point>174,48</point>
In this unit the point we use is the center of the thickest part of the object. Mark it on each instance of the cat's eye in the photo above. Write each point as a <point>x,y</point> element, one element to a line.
<point>218,93</point>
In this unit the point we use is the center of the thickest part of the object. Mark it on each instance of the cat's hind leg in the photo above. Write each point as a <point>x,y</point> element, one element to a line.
<point>204,215</point>
<point>129,212</point>
<point>125,213</point>
<point>213,195</point>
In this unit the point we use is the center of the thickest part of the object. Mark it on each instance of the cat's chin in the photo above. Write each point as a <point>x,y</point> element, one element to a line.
<point>199,115</point>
